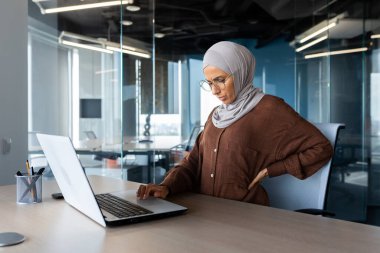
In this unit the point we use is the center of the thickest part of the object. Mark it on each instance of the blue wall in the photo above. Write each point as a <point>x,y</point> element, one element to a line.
<point>277,60</point>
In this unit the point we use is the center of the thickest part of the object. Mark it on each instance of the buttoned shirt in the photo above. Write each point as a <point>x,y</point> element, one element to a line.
<point>224,161</point>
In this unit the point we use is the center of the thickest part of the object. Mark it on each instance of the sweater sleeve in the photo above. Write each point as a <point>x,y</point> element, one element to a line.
<point>184,176</point>
<point>302,151</point>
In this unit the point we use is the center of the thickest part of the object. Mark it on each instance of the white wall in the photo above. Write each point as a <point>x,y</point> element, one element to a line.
<point>13,87</point>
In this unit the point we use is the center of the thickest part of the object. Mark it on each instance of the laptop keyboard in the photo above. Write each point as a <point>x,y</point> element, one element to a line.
<point>119,207</point>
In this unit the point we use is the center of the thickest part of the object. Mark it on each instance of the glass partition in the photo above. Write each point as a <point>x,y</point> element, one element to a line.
<point>370,122</point>
<point>138,92</point>
<point>332,86</point>
<point>82,59</point>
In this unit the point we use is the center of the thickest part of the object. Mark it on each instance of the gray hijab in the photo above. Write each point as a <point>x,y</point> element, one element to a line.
<point>237,60</point>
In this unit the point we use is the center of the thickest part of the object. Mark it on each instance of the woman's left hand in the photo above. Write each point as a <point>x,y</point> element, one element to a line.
<point>260,176</point>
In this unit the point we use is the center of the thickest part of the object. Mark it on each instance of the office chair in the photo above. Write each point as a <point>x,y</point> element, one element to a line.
<point>193,137</point>
<point>178,152</point>
<point>306,196</point>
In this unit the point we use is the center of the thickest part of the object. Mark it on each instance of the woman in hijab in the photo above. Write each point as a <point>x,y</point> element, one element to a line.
<point>248,137</point>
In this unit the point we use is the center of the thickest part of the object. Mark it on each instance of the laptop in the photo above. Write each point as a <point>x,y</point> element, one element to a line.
<point>108,209</point>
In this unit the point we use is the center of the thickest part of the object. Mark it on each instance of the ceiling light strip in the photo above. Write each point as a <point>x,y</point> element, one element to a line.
<point>347,51</point>
<point>375,36</point>
<point>84,6</point>
<point>129,48</point>
<point>318,32</point>
<point>79,37</point>
<point>312,43</point>
<point>316,12</point>
<point>126,51</point>
<point>74,44</point>
<point>103,45</point>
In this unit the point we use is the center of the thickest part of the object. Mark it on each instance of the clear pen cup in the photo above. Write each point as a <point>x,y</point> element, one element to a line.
<point>29,189</point>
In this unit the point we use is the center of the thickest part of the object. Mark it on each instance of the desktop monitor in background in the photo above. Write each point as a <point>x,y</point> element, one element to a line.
<point>129,117</point>
<point>90,108</point>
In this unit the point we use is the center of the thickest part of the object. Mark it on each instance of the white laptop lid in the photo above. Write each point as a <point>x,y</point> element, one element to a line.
<point>70,175</point>
<point>77,191</point>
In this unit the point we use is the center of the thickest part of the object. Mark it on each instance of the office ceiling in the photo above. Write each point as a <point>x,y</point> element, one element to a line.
<point>191,26</point>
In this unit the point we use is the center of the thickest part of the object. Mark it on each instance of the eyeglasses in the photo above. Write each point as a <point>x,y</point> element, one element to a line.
<point>218,82</point>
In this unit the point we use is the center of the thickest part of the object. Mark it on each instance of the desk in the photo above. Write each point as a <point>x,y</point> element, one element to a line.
<point>131,144</point>
<point>210,225</point>
<point>159,143</point>
<point>160,146</point>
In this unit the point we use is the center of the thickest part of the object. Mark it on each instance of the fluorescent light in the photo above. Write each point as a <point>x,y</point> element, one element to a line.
<point>159,35</point>
<point>133,8</point>
<point>347,51</point>
<point>311,43</point>
<point>101,45</point>
<point>127,47</point>
<point>316,12</point>
<point>375,36</point>
<point>75,44</point>
<point>126,51</point>
<point>318,32</point>
<point>126,22</point>
<point>84,6</point>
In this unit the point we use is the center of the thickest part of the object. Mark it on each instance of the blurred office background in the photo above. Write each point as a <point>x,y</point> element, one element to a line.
<point>128,74</point>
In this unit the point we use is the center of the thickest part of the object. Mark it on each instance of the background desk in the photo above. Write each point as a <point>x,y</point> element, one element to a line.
<point>156,153</point>
<point>158,143</point>
<point>210,225</point>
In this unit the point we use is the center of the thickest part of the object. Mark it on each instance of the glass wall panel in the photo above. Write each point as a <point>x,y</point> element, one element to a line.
<point>74,81</point>
<point>332,86</point>
<point>138,92</point>
<point>371,117</point>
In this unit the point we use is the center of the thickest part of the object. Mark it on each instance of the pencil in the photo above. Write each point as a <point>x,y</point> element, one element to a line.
<point>31,181</point>
<point>27,167</point>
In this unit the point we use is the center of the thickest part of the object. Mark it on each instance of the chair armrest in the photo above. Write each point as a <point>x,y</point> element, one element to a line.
<point>315,211</point>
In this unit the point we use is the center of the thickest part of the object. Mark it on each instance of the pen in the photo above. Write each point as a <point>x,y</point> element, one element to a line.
<point>33,188</point>
<point>32,184</point>
<point>19,174</point>
<point>40,171</point>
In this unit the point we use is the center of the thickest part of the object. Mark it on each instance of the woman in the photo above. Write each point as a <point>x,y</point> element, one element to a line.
<point>248,137</point>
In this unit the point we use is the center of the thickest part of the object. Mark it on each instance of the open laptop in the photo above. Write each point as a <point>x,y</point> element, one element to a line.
<point>77,191</point>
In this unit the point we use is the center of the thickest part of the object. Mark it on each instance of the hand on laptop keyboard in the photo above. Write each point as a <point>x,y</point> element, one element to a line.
<point>158,191</point>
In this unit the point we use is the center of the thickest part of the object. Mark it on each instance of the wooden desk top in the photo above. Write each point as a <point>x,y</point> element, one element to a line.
<point>210,225</point>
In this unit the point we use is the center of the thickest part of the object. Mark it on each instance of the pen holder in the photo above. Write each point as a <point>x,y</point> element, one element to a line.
<point>29,189</point>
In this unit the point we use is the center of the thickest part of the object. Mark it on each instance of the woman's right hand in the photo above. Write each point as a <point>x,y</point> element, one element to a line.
<point>260,176</point>
<point>158,191</point>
